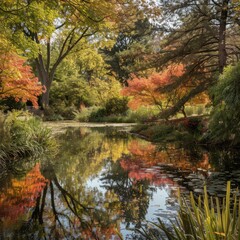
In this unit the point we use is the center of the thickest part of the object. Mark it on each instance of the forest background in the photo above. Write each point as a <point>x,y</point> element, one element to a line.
<point>93,60</point>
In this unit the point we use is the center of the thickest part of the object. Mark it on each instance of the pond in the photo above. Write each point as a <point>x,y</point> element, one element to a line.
<point>105,182</point>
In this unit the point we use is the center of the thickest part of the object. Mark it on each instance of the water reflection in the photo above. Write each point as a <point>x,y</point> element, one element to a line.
<point>105,180</point>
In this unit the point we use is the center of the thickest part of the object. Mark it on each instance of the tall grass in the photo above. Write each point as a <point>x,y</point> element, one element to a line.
<point>206,218</point>
<point>23,135</point>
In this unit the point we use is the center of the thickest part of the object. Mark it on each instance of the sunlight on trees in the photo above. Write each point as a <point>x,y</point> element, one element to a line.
<point>156,89</point>
<point>17,79</point>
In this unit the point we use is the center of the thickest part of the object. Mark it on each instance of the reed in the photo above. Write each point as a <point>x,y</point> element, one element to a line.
<point>204,218</point>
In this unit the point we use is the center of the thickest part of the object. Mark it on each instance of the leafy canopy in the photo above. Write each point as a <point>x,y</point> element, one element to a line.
<point>156,89</point>
<point>17,79</point>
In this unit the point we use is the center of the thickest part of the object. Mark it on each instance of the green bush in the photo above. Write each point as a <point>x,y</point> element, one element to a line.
<point>50,114</point>
<point>142,114</point>
<point>207,219</point>
<point>99,114</point>
<point>89,114</point>
<point>83,115</point>
<point>189,110</point>
<point>23,135</point>
<point>192,124</point>
<point>116,106</point>
<point>200,109</point>
<point>224,124</point>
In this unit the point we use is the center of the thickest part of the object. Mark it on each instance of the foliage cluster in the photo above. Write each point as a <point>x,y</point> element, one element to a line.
<point>224,124</point>
<point>17,80</point>
<point>23,135</point>
<point>114,107</point>
<point>96,114</point>
<point>164,132</point>
<point>157,90</point>
<point>81,84</point>
<point>207,218</point>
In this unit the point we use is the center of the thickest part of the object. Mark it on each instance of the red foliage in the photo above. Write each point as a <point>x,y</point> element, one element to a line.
<point>145,91</point>
<point>17,79</point>
<point>137,173</point>
<point>145,158</point>
<point>21,196</point>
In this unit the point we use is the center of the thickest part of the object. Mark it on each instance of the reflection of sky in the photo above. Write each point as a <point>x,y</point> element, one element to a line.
<point>161,205</point>
<point>95,183</point>
<point>157,202</point>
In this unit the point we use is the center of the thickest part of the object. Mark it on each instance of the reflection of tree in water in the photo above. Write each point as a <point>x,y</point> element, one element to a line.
<point>133,195</point>
<point>56,212</point>
<point>82,153</point>
<point>65,206</point>
<point>149,154</point>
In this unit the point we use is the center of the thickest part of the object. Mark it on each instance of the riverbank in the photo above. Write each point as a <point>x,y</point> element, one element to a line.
<point>184,130</point>
<point>23,135</point>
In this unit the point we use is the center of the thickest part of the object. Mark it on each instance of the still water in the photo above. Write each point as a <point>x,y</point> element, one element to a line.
<point>105,182</point>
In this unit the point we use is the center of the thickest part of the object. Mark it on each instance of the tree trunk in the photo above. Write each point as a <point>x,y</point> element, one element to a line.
<point>46,79</point>
<point>183,111</point>
<point>178,106</point>
<point>45,98</point>
<point>222,36</point>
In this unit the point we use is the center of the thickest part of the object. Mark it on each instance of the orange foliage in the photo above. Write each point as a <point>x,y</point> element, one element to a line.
<point>21,196</point>
<point>109,232</point>
<point>145,153</point>
<point>137,172</point>
<point>145,159</point>
<point>149,155</point>
<point>147,91</point>
<point>17,79</point>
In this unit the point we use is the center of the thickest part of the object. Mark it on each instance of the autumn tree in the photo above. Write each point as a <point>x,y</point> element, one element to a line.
<point>17,79</point>
<point>42,27</point>
<point>204,36</point>
<point>152,90</point>
<point>15,203</point>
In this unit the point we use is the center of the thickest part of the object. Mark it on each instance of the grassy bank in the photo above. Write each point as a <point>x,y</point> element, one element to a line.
<point>187,130</point>
<point>23,135</point>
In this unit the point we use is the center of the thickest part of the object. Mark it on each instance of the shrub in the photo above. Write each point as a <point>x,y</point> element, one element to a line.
<point>51,115</point>
<point>24,135</point>
<point>116,106</point>
<point>142,114</point>
<point>98,114</point>
<point>224,124</point>
<point>207,218</point>
<point>200,110</point>
<point>192,124</point>
<point>83,115</point>
<point>89,114</point>
<point>189,110</point>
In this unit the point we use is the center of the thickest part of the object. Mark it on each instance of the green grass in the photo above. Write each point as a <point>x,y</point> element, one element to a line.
<point>23,135</point>
<point>96,114</point>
